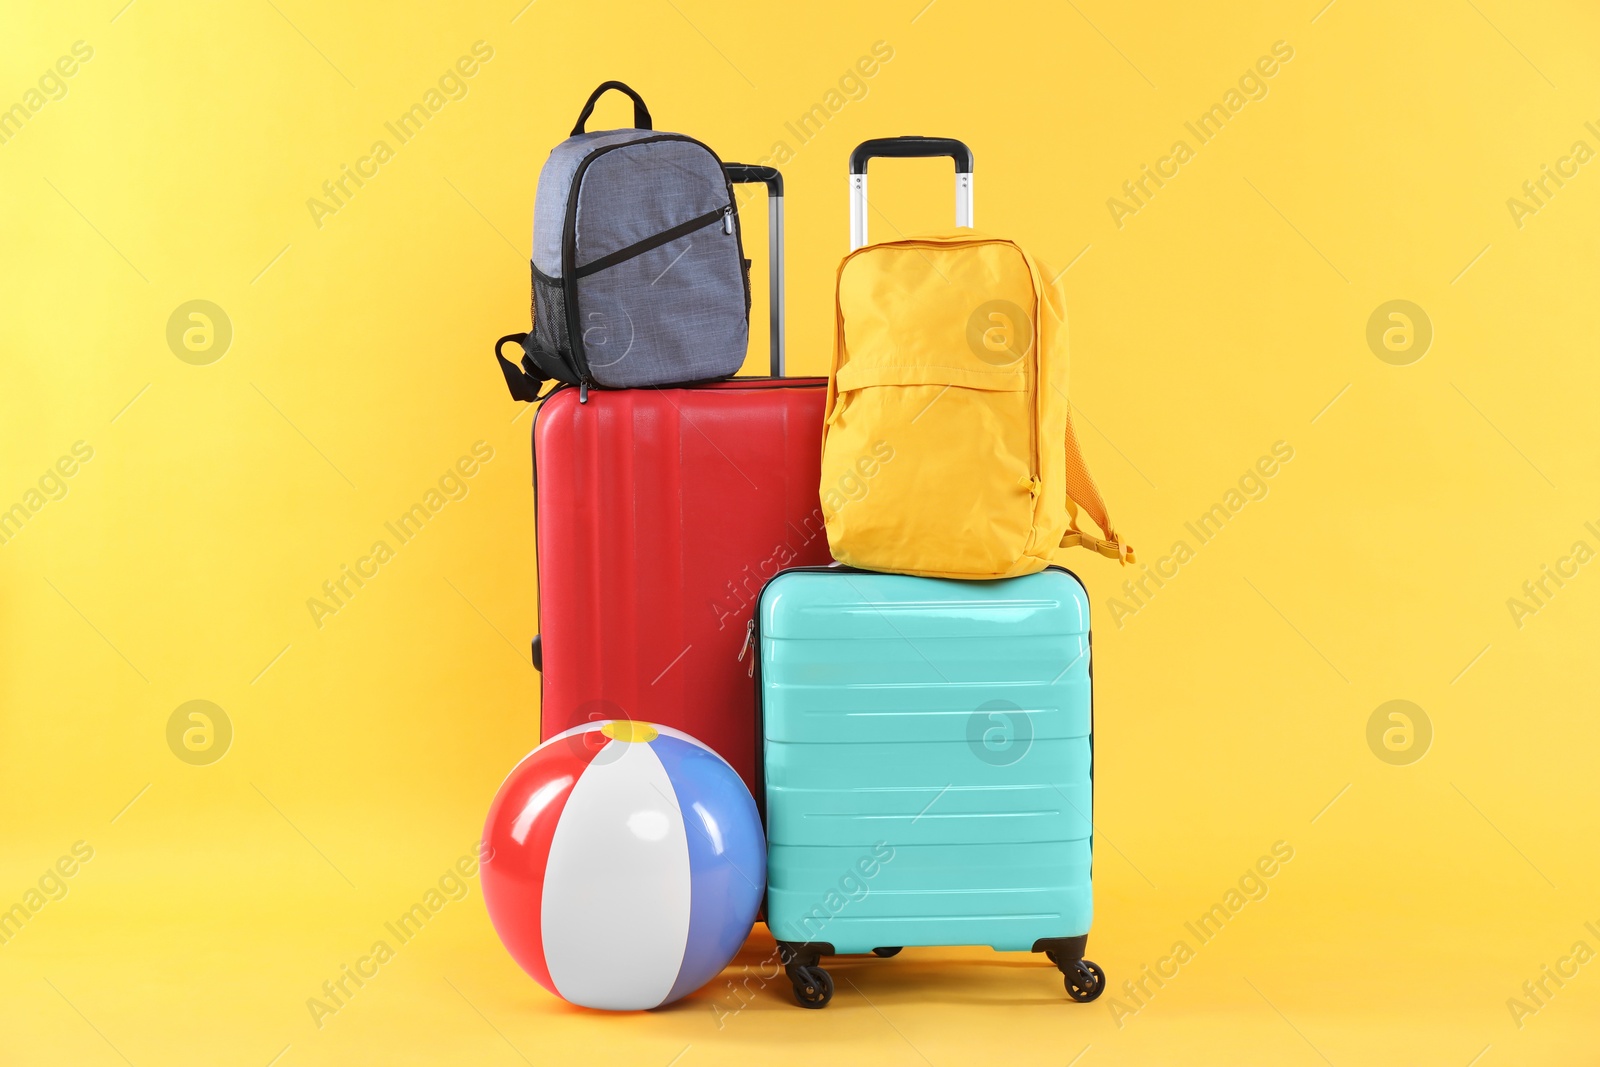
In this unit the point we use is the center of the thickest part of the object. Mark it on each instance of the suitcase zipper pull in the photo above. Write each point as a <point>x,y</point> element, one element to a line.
<point>749,639</point>
<point>727,219</point>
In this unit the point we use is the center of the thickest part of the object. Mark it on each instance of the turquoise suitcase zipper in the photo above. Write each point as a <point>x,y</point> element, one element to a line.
<point>927,760</point>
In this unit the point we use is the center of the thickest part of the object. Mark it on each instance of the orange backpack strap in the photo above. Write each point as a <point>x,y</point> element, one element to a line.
<point>1081,490</point>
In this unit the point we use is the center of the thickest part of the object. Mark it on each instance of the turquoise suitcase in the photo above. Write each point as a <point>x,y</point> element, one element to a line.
<point>927,754</point>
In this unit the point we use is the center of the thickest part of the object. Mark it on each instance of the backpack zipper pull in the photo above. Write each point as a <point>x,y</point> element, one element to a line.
<point>583,392</point>
<point>749,639</point>
<point>727,219</point>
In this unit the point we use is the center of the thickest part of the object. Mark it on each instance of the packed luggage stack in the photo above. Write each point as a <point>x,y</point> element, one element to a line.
<point>897,670</point>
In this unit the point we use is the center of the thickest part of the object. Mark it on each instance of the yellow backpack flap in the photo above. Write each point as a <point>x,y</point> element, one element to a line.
<point>948,450</point>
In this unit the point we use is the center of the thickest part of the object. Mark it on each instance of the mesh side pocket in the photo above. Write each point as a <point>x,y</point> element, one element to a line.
<point>550,316</point>
<point>745,266</point>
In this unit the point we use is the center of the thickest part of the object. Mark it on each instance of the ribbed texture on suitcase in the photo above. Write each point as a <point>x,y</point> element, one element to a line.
<point>948,721</point>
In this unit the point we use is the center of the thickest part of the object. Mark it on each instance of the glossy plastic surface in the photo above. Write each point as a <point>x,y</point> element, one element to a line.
<point>661,513</point>
<point>927,759</point>
<point>623,864</point>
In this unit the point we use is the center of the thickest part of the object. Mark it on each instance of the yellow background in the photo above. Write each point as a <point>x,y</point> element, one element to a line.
<point>1224,316</point>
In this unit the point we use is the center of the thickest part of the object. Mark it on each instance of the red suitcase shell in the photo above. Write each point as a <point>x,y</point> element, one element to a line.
<point>660,513</point>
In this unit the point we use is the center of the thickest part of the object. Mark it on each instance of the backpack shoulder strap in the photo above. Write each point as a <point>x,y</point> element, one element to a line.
<point>527,379</point>
<point>1082,492</point>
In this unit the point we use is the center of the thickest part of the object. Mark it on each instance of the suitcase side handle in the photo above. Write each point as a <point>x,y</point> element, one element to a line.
<point>908,147</point>
<point>747,174</point>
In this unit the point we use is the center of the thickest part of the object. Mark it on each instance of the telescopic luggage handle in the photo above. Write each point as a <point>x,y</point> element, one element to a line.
<point>747,174</point>
<point>909,147</point>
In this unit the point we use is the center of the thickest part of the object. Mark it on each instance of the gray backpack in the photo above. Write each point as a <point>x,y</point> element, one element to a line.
<point>639,275</point>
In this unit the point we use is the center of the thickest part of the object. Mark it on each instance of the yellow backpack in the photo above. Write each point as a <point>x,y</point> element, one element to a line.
<point>948,450</point>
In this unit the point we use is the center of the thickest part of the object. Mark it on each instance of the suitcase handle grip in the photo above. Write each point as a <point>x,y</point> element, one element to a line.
<point>747,174</point>
<point>909,147</point>
<point>750,174</point>
<point>641,114</point>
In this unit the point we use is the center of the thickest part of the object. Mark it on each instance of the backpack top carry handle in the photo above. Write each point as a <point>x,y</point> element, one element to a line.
<point>746,174</point>
<point>641,114</point>
<point>908,147</point>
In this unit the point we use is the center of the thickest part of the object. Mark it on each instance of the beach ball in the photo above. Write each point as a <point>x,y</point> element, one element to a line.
<point>624,864</point>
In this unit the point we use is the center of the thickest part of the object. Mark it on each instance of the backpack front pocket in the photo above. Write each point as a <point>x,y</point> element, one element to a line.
<point>932,478</point>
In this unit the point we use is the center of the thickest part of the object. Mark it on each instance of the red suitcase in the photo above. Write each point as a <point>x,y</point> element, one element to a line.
<point>660,513</point>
